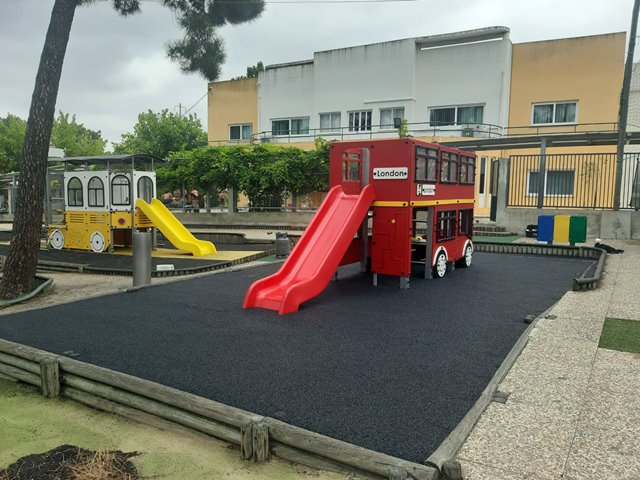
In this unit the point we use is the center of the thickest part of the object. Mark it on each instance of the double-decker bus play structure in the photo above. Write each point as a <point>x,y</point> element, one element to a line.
<point>95,203</point>
<point>415,198</point>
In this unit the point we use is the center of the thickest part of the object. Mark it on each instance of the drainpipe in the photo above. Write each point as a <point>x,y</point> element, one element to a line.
<point>624,105</point>
<point>541,174</point>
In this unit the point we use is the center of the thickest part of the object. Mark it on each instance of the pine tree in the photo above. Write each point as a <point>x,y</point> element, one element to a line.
<point>199,51</point>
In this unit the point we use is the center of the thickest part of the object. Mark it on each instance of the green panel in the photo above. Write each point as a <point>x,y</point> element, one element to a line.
<point>578,229</point>
<point>561,229</point>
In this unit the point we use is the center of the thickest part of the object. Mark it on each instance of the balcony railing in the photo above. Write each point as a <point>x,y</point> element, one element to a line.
<point>420,129</point>
<point>425,129</point>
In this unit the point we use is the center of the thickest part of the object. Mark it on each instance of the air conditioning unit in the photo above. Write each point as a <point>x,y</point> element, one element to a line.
<point>468,132</point>
<point>397,122</point>
<point>265,140</point>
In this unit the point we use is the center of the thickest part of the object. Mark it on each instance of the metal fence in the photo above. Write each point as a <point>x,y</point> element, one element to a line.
<point>572,181</point>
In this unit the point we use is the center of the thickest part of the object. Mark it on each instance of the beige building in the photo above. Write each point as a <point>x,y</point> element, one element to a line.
<point>559,86</point>
<point>232,111</point>
<point>555,87</point>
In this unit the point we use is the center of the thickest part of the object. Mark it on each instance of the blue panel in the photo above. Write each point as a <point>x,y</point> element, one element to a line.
<point>545,228</point>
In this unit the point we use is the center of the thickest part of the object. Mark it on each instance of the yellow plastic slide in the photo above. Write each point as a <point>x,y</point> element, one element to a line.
<point>171,228</point>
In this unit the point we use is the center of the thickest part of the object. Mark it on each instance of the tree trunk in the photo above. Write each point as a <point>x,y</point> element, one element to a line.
<point>20,267</point>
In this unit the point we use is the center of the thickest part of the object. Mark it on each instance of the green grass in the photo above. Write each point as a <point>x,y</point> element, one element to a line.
<point>621,335</point>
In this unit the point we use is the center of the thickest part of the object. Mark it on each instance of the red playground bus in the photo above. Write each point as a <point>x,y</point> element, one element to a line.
<point>423,208</point>
<point>393,205</point>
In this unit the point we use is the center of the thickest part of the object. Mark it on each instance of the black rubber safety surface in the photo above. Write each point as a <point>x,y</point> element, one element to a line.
<point>387,369</point>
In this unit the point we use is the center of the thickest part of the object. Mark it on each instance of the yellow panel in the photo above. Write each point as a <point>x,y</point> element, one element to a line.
<point>561,229</point>
<point>121,219</point>
<point>76,237</point>
<point>97,218</point>
<point>142,221</point>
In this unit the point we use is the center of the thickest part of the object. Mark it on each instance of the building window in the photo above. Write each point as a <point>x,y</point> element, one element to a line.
<point>330,122</point>
<point>442,117</point>
<point>465,221</point>
<point>448,167</point>
<point>426,165</point>
<point>391,117</point>
<point>240,132</point>
<point>96,192</point>
<point>483,167</point>
<point>360,121</point>
<point>74,193</point>
<point>467,170</point>
<point>120,190</point>
<point>446,226</point>
<point>300,126</point>
<point>290,126</point>
<point>280,127</point>
<point>558,183</point>
<point>552,113</point>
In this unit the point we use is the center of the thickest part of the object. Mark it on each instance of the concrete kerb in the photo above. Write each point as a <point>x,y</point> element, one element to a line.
<point>581,283</point>
<point>445,454</point>
<point>443,458</point>
<point>45,283</point>
<point>588,283</point>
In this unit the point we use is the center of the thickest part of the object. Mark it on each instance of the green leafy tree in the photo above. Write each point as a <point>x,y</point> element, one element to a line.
<point>74,138</point>
<point>403,131</point>
<point>199,51</point>
<point>252,72</point>
<point>12,129</point>
<point>161,133</point>
<point>66,133</point>
<point>266,173</point>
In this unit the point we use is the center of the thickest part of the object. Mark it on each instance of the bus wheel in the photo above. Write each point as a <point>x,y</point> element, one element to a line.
<point>466,259</point>
<point>440,267</point>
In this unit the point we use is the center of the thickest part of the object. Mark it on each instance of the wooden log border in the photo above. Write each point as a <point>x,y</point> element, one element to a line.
<point>583,282</point>
<point>165,407</point>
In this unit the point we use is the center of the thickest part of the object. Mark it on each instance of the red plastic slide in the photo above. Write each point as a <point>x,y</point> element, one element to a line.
<point>316,256</point>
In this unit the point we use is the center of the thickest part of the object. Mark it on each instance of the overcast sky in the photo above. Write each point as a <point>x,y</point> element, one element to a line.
<point>116,67</point>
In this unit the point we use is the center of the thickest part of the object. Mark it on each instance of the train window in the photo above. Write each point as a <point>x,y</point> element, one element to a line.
<point>120,192</point>
<point>96,192</point>
<point>145,189</point>
<point>446,225</point>
<point>74,193</point>
<point>467,170</point>
<point>465,221</point>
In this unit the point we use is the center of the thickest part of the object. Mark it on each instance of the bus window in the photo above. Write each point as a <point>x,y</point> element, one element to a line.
<point>350,167</point>
<point>120,190</point>
<point>145,189</point>
<point>426,165</point>
<point>96,192</point>
<point>467,170</point>
<point>448,167</point>
<point>74,193</point>
<point>445,229</point>
<point>465,219</point>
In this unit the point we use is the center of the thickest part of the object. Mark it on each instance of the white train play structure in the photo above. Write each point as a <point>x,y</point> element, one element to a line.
<point>95,203</point>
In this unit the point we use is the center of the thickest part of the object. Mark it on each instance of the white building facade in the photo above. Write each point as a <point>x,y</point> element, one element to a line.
<point>443,85</point>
